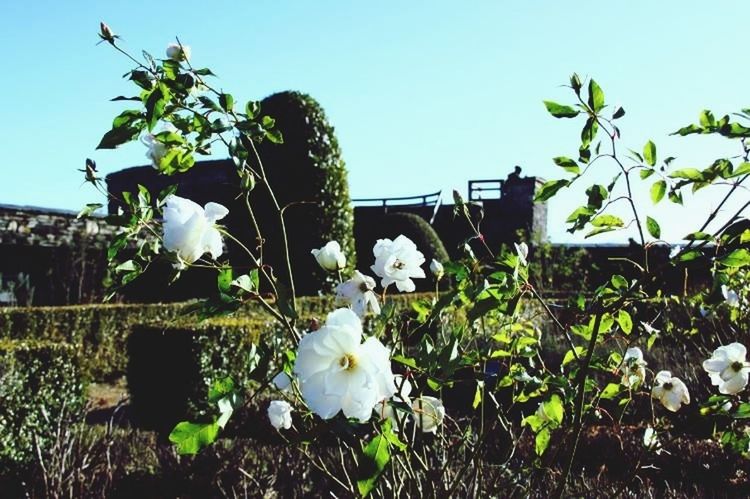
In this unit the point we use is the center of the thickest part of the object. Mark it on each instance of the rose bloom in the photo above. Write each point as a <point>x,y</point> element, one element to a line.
<point>728,369</point>
<point>338,372</point>
<point>358,292</point>
<point>190,231</point>
<point>522,250</point>
<point>384,410</point>
<point>670,391</point>
<point>633,367</point>
<point>437,269</point>
<point>330,257</point>
<point>397,262</point>
<point>177,53</point>
<point>429,413</point>
<point>280,414</point>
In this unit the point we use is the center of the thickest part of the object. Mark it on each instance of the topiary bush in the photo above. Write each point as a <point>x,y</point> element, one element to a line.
<point>308,176</point>
<point>412,226</point>
<point>40,383</point>
<point>171,366</point>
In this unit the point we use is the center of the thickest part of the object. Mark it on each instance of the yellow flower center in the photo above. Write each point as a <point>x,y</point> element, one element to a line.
<point>348,362</point>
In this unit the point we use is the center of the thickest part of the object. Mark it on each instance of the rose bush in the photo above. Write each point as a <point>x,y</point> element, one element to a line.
<point>366,388</point>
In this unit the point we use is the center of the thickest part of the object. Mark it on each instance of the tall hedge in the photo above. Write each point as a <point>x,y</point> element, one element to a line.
<point>40,387</point>
<point>309,176</point>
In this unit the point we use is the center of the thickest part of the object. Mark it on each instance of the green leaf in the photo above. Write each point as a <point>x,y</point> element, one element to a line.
<point>155,105</point>
<point>127,118</point>
<point>568,164</point>
<point>226,101</point>
<point>610,391</point>
<point>688,130</point>
<point>274,136</point>
<point>649,153</point>
<point>560,110</point>
<point>221,388</point>
<point>624,321</point>
<point>658,190</point>
<point>478,394</point>
<point>653,227</point>
<point>541,441</point>
<point>570,356</point>
<point>742,169</point>
<point>619,113</point>
<point>619,282</point>
<point>737,258</point>
<point>588,133</point>
<point>706,118</point>
<point>89,210</point>
<point>252,109</point>
<point>375,457</point>
<point>646,173</point>
<point>554,410</point>
<point>549,189</point>
<point>208,103</point>
<point>596,96</point>
<point>607,221</point>
<point>285,300</point>
<point>690,255</point>
<point>118,136</point>
<point>687,173</point>
<point>192,437</point>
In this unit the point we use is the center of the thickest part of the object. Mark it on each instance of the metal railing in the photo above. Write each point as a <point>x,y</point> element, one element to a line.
<point>425,200</point>
<point>477,187</point>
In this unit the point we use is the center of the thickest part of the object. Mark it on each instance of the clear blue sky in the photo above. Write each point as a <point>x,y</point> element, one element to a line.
<point>424,95</point>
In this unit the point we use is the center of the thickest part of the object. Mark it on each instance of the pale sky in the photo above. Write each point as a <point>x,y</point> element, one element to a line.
<point>424,95</point>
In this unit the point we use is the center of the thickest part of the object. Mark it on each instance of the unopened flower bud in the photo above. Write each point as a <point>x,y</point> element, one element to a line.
<point>106,33</point>
<point>437,269</point>
<point>178,52</point>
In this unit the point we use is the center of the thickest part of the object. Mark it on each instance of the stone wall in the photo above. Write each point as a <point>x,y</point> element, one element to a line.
<point>49,257</point>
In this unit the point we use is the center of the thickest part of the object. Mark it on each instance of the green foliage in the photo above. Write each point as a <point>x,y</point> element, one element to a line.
<point>40,386</point>
<point>172,366</point>
<point>308,175</point>
<point>98,331</point>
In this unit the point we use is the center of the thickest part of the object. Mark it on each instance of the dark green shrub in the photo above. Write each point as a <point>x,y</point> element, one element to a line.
<point>308,175</point>
<point>412,226</point>
<point>171,366</point>
<point>40,382</point>
<point>99,331</point>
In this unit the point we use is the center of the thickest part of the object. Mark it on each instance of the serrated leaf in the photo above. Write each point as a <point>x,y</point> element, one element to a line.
<point>658,190</point>
<point>649,153</point>
<point>653,227</point>
<point>190,438</point>
<point>560,110</point>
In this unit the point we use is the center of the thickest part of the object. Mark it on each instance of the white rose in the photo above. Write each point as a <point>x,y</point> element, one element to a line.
<point>280,414</point>
<point>384,410</point>
<point>670,391</point>
<point>429,413</point>
<point>330,256</point>
<point>177,53</point>
<point>190,230</point>
<point>633,367</point>
<point>730,296</point>
<point>337,372</point>
<point>157,150</point>
<point>358,292</point>
<point>728,369</point>
<point>397,262</point>
<point>437,269</point>
<point>522,250</point>
<point>282,381</point>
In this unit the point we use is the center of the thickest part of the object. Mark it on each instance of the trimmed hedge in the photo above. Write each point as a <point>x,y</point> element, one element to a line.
<point>99,331</point>
<point>307,168</point>
<point>171,366</point>
<point>40,382</point>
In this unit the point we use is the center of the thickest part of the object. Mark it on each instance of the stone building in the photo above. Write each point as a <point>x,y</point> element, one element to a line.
<point>50,257</point>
